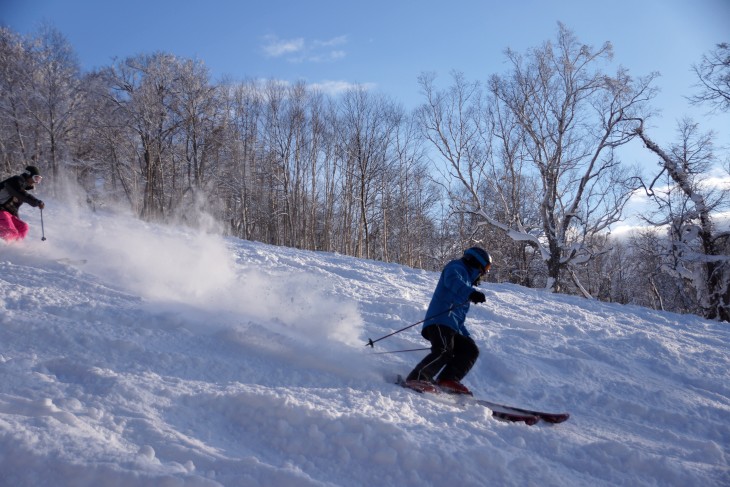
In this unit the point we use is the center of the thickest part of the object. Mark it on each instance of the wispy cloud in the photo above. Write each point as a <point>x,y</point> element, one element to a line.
<point>718,181</point>
<point>338,87</point>
<point>329,43</point>
<point>327,87</point>
<point>275,47</point>
<point>302,50</point>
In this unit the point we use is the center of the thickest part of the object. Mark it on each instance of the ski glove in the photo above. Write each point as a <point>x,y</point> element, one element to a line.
<point>477,297</point>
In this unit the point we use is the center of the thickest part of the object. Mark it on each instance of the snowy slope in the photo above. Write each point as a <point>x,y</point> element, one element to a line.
<point>170,357</point>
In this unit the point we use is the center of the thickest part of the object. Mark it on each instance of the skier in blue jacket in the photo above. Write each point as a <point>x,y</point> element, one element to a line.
<point>453,351</point>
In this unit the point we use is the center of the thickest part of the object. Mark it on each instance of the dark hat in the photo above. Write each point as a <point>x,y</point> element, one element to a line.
<point>32,171</point>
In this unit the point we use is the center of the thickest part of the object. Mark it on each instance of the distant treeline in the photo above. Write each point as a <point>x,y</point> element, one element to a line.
<point>523,164</point>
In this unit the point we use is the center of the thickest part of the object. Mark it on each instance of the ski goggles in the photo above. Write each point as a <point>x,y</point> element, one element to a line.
<point>37,178</point>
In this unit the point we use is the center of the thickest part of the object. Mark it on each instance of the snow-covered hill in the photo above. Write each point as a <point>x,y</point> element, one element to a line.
<point>140,355</point>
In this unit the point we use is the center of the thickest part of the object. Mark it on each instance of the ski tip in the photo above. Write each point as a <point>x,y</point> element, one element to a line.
<point>556,418</point>
<point>516,418</point>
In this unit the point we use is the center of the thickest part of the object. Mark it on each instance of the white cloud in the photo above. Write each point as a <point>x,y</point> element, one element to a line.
<point>718,182</point>
<point>335,41</point>
<point>328,87</point>
<point>275,47</point>
<point>301,50</point>
<point>337,87</point>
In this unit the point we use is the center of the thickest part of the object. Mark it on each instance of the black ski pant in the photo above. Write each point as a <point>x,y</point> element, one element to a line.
<point>450,351</point>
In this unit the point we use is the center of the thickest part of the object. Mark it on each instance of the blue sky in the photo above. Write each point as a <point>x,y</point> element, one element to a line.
<point>387,44</point>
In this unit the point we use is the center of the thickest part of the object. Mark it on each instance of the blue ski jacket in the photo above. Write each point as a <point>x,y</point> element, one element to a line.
<point>450,301</point>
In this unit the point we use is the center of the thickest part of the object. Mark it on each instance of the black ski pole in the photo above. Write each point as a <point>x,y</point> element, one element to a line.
<point>43,230</point>
<point>372,342</point>
<point>401,351</point>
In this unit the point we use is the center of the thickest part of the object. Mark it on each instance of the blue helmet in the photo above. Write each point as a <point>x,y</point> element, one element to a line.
<point>479,255</point>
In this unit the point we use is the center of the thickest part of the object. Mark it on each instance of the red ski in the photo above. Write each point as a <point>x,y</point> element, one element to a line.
<point>499,411</point>
<point>544,416</point>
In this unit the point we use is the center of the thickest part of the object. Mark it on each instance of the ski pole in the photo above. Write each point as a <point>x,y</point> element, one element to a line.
<point>372,342</point>
<point>43,231</point>
<point>401,351</point>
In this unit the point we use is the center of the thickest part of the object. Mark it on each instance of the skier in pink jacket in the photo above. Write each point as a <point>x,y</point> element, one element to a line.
<point>13,193</point>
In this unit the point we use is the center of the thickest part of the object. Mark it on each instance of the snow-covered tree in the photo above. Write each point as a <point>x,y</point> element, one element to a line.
<point>15,130</point>
<point>57,95</point>
<point>696,251</point>
<point>40,96</point>
<point>543,143</point>
<point>144,90</point>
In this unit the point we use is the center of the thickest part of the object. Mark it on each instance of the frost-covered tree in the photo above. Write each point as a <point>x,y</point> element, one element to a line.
<point>366,130</point>
<point>696,251</point>
<point>713,73</point>
<point>40,96</point>
<point>144,91</point>
<point>555,119</point>
<point>15,132</point>
<point>57,95</point>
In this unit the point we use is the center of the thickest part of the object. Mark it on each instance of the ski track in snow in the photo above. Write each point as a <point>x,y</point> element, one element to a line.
<point>141,355</point>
